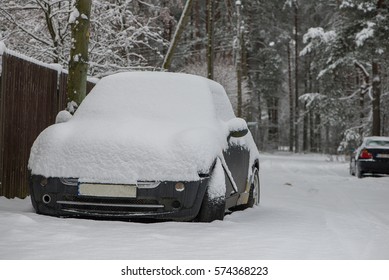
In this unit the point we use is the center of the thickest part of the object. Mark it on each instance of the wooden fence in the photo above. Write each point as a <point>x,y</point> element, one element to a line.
<point>31,96</point>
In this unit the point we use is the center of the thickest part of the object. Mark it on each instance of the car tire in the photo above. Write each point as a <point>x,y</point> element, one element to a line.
<point>211,209</point>
<point>358,171</point>
<point>254,196</point>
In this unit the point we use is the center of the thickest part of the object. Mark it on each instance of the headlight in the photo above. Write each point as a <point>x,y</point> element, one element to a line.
<point>180,187</point>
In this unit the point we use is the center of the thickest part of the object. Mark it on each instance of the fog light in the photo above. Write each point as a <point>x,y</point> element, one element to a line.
<point>46,198</point>
<point>176,204</point>
<point>180,187</point>
<point>43,181</point>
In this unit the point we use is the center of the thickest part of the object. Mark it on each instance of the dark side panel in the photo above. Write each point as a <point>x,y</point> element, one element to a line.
<point>237,160</point>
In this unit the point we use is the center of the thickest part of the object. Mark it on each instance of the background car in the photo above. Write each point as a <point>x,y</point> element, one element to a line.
<point>372,157</point>
<point>147,144</point>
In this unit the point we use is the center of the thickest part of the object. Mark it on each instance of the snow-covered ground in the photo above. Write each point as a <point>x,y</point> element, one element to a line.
<point>311,208</point>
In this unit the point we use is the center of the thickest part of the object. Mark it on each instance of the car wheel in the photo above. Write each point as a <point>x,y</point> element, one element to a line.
<point>358,171</point>
<point>211,209</point>
<point>254,196</point>
<point>214,201</point>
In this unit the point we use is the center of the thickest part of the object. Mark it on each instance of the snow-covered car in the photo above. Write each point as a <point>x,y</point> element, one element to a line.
<point>372,157</point>
<point>147,145</point>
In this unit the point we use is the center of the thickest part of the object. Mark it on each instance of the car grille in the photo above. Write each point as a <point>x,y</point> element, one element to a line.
<point>109,207</point>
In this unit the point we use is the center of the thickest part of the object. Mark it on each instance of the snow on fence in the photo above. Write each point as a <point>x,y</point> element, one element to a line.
<point>32,93</point>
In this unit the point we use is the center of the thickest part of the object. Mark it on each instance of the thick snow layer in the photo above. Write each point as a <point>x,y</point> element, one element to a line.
<point>63,116</point>
<point>237,124</point>
<point>217,184</point>
<point>311,208</point>
<point>376,138</point>
<point>74,15</point>
<point>134,127</point>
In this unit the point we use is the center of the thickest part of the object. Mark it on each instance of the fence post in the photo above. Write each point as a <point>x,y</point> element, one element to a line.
<point>2,76</point>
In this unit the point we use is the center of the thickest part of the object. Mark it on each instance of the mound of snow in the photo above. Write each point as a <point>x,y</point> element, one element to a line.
<point>134,127</point>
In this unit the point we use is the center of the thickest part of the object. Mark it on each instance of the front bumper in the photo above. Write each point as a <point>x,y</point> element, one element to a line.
<point>162,202</point>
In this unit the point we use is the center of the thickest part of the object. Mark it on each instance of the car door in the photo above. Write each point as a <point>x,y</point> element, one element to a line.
<point>236,157</point>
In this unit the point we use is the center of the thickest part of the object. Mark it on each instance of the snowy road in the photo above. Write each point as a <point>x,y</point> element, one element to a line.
<point>310,209</point>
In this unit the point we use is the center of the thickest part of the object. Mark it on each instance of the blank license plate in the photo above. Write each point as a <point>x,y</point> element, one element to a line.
<point>106,190</point>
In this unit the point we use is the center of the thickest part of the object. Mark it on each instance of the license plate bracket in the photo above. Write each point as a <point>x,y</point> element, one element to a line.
<point>107,190</point>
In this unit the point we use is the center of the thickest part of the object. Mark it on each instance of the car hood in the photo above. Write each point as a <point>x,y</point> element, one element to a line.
<point>127,152</point>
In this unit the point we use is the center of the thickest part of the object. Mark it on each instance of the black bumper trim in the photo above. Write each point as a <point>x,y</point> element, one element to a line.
<point>161,202</point>
<point>110,204</point>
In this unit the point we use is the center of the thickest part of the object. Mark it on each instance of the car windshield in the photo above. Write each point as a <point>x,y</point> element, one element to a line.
<point>152,96</point>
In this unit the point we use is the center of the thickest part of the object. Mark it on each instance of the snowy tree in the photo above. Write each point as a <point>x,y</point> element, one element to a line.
<point>265,41</point>
<point>125,35</point>
<point>191,52</point>
<point>177,34</point>
<point>331,83</point>
<point>38,28</point>
<point>354,40</point>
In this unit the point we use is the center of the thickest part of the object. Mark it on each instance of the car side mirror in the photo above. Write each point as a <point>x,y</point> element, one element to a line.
<point>237,128</point>
<point>63,116</point>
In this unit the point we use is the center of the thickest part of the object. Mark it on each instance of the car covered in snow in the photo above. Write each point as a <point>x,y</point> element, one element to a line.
<point>154,145</point>
<point>371,157</point>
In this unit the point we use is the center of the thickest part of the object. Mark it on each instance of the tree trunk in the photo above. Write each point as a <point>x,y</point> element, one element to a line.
<point>376,131</point>
<point>291,105</point>
<point>310,113</point>
<point>296,15</point>
<point>78,64</point>
<point>364,87</point>
<point>308,89</point>
<point>311,131</point>
<point>361,103</point>
<point>327,139</point>
<point>273,135</point>
<point>260,134</point>
<point>177,35</point>
<point>376,87</point>
<point>210,39</point>
<point>239,61</point>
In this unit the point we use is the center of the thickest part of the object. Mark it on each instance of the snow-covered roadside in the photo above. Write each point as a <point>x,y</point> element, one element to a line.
<point>310,209</point>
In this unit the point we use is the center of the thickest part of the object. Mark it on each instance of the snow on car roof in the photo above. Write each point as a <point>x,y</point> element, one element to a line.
<point>134,127</point>
<point>377,142</point>
<point>385,138</point>
<point>150,95</point>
